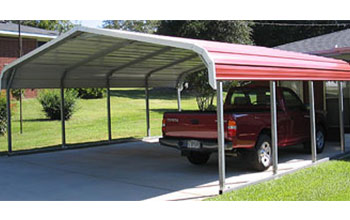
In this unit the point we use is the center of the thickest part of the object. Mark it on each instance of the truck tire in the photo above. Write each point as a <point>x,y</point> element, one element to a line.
<point>198,158</point>
<point>262,157</point>
<point>320,141</point>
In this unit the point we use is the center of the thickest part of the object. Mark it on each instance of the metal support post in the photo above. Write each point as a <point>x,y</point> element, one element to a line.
<point>274,138</point>
<point>20,90</point>
<point>9,128</point>
<point>20,112</point>
<point>63,124</point>
<point>109,111</point>
<point>221,138</point>
<point>312,121</point>
<point>179,89</point>
<point>341,116</point>
<point>147,109</point>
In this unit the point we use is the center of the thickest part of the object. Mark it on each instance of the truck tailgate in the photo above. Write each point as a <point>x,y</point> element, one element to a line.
<point>197,125</point>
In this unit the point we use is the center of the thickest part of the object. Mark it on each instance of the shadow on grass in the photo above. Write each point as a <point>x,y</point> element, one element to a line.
<point>162,110</point>
<point>158,93</point>
<point>70,146</point>
<point>37,120</point>
<point>345,158</point>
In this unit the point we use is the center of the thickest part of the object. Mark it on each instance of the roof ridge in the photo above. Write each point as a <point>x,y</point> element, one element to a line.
<point>312,38</point>
<point>26,29</point>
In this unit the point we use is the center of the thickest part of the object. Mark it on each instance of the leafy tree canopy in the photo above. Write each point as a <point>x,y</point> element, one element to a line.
<point>225,31</point>
<point>272,33</point>
<point>144,26</point>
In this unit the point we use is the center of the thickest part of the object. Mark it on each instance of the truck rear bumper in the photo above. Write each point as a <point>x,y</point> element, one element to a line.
<point>183,144</point>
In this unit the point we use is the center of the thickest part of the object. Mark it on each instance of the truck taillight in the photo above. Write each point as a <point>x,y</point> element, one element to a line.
<point>231,128</point>
<point>163,125</point>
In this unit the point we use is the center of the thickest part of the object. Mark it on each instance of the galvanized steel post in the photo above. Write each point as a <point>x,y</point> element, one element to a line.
<point>20,112</point>
<point>312,121</point>
<point>341,116</point>
<point>9,133</point>
<point>63,124</point>
<point>274,138</point>
<point>179,89</point>
<point>147,108</point>
<point>109,111</point>
<point>221,137</point>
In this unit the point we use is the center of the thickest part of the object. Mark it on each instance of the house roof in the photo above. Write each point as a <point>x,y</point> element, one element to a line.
<point>11,29</point>
<point>93,57</point>
<point>336,44</point>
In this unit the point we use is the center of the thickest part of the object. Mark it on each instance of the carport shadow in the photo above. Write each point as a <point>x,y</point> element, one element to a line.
<point>69,146</point>
<point>36,120</point>
<point>156,93</point>
<point>162,110</point>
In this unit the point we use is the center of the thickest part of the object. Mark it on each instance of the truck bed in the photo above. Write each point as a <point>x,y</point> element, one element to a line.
<point>199,125</point>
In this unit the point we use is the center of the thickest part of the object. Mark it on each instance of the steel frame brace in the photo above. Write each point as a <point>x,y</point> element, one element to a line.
<point>148,75</point>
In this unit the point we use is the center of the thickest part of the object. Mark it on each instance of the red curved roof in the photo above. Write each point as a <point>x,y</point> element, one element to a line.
<point>243,62</point>
<point>90,57</point>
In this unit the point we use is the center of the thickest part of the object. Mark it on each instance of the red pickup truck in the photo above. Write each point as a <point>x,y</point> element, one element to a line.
<point>247,122</point>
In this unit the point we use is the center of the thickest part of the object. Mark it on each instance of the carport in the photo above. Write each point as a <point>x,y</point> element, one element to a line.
<point>103,58</point>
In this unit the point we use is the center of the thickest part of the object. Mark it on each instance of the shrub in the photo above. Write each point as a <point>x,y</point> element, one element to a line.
<point>16,93</point>
<point>199,85</point>
<point>3,117</point>
<point>90,93</point>
<point>51,103</point>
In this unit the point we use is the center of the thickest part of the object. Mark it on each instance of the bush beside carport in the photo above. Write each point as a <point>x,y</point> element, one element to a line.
<point>3,116</point>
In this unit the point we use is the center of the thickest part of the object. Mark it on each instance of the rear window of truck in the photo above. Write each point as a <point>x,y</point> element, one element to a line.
<point>248,99</point>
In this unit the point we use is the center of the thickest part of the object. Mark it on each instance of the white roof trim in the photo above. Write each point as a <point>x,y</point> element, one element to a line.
<point>27,35</point>
<point>148,38</point>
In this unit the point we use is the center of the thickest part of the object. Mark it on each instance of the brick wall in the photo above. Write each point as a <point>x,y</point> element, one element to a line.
<point>9,49</point>
<point>9,52</point>
<point>9,46</point>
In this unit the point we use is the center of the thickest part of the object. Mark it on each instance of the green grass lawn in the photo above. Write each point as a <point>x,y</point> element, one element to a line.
<point>89,122</point>
<point>328,181</point>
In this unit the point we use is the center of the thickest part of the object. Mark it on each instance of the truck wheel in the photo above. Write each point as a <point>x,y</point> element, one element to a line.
<point>198,158</point>
<point>262,157</point>
<point>320,141</point>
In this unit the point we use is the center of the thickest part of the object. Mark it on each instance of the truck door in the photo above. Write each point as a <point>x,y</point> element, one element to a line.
<point>298,116</point>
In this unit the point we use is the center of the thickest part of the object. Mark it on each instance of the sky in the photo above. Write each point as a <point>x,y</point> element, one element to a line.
<point>88,23</point>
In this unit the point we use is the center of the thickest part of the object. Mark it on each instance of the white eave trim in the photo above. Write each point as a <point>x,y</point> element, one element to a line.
<point>27,35</point>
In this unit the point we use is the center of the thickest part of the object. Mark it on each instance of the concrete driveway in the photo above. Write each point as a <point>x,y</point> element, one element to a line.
<point>129,171</point>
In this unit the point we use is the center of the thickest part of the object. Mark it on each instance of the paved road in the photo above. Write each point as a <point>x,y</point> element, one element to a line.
<point>129,171</point>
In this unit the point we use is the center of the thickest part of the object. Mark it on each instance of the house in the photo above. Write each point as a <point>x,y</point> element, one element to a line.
<point>31,38</point>
<point>334,45</point>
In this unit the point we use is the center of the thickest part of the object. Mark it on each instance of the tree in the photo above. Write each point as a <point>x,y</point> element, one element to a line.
<point>144,26</point>
<point>274,33</point>
<point>225,31</point>
<point>53,25</point>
